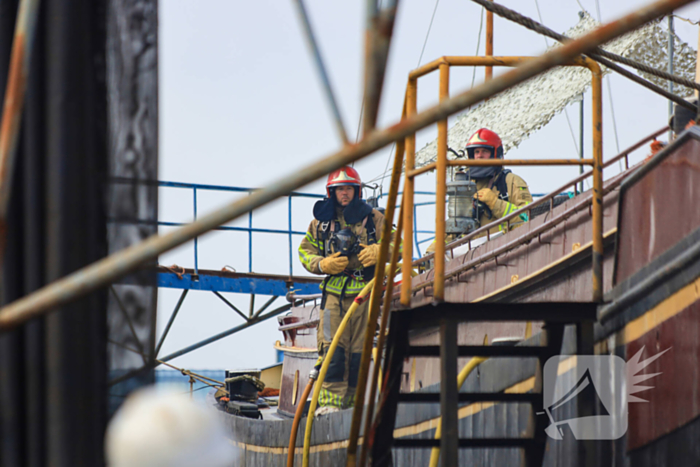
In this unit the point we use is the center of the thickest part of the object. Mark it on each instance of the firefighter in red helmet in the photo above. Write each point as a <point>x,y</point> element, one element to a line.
<point>499,189</point>
<point>342,243</point>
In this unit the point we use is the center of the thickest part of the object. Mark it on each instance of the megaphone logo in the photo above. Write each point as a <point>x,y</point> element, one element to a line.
<point>606,382</point>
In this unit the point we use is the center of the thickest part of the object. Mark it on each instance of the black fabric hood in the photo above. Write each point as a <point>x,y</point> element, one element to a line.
<point>324,210</point>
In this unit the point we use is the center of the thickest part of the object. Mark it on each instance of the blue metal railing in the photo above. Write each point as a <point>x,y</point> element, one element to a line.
<point>250,229</point>
<point>289,232</point>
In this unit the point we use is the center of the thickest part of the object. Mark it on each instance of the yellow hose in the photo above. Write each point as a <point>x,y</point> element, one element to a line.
<point>461,377</point>
<point>324,368</point>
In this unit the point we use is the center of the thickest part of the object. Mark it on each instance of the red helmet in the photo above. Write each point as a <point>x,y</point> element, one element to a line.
<point>344,176</point>
<point>485,138</point>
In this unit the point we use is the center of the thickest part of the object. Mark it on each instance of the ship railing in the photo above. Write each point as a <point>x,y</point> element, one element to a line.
<point>443,65</point>
<point>548,198</point>
<point>196,188</point>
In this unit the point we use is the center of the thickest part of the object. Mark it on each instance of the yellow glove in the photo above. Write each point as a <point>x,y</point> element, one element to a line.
<point>369,255</point>
<point>334,264</point>
<point>486,196</point>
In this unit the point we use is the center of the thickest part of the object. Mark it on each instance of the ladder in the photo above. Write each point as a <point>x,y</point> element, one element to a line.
<point>447,316</point>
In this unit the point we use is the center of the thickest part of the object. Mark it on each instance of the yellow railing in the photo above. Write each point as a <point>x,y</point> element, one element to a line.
<point>443,65</point>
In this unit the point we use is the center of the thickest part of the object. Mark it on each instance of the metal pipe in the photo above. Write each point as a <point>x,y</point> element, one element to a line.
<point>580,138</point>
<point>670,70</point>
<point>380,29</point>
<point>250,240</point>
<point>502,162</point>
<point>441,187</point>
<point>117,265</point>
<point>289,217</point>
<point>373,312</point>
<point>330,97</point>
<point>422,170</point>
<point>489,43</point>
<point>597,221</point>
<point>408,186</point>
<point>196,266</point>
<point>171,321</point>
<point>20,60</point>
<point>386,311</point>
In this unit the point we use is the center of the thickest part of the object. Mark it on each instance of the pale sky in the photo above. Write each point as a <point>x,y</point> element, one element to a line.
<point>241,105</point>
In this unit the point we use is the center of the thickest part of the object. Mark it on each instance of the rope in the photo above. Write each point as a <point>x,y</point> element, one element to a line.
<point>600,55</point>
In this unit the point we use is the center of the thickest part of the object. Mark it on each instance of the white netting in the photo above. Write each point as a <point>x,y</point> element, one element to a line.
<point>516,113</point>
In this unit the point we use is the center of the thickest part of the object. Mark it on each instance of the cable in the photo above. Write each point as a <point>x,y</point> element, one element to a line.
<point>427,34</point>
<point>599,55</point>
<point>478,44</point>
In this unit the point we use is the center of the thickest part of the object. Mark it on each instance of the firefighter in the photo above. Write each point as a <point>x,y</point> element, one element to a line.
<point>342,243</point>
<point>499,189</point>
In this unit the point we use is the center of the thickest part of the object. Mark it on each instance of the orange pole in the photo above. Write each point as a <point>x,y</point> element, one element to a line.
<point>386,311</point>
<point>407,203</point>
<point>440,189</point>
<point>297,418</point>
<point>489,43</point>
<point>597,181</point>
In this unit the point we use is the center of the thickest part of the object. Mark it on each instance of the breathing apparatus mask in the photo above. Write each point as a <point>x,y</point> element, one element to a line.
<point>345,242</point>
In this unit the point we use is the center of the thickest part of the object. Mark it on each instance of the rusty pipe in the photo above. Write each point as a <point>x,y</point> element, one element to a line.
<point>408,187</point>
<point>386,311</point>
<point>14,102</point>
<point>441,187</point>
<point>380,29</point>
<point>297,418</point>
<point>373,313</point>
<point>597,221</point>
<point>459,60</point>
<point>119,264</point>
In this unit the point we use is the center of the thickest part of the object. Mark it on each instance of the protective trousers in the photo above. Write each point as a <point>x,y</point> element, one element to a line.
<point>338,389</point>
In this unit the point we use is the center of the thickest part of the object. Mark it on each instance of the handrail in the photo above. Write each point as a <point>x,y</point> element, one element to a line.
<point>221,188</point>
<point>526,209</point>
<point>443,64</point>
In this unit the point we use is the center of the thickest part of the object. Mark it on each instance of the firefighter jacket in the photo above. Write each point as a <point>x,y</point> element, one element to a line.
<point>314,247</point>
<point>513,193</point>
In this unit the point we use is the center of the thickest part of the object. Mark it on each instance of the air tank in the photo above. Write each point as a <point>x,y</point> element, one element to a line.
<point>460,205</point>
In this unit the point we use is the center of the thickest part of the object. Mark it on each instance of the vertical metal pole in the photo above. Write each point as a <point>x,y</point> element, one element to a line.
<point>489,43</point>
<point>670,69</point>
<point>250,239</point>
<point>449,447</point>
<point>597,184</point>
<point>407,266</point>
<point>441,186</point>
<point>415,230</point>
<point>196,254</point>
<point>580,140</point>
<point>289,205</point>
